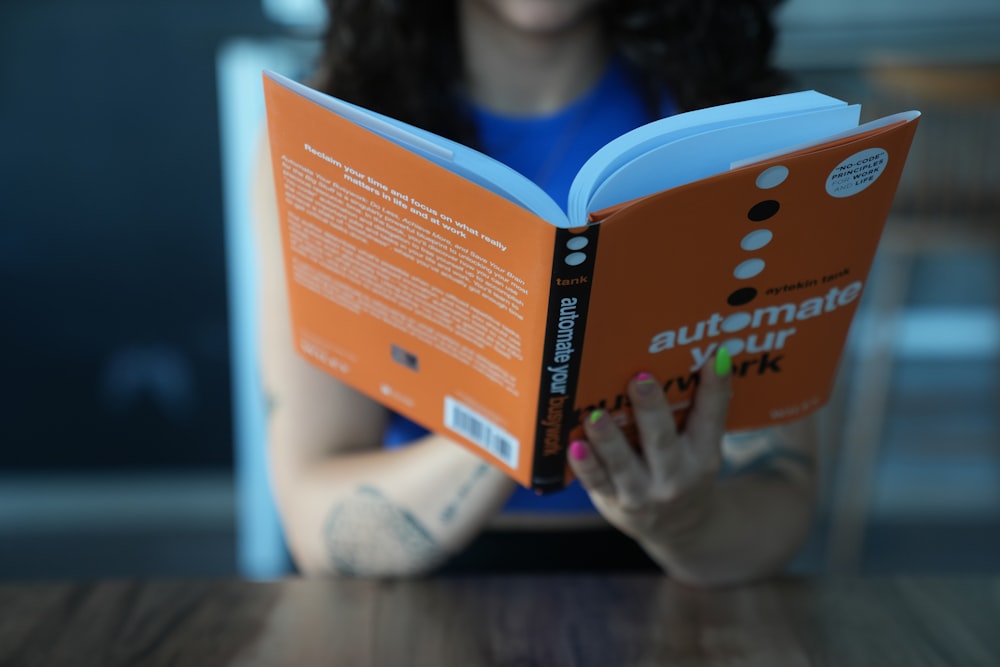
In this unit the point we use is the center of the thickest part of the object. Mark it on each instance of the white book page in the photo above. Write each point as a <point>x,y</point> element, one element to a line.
<point>632,145</point>
<point>705,154</point>
<point>876,124</point>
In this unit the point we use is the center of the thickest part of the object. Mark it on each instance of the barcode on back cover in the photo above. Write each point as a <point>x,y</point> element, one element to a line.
<point>481,431</point>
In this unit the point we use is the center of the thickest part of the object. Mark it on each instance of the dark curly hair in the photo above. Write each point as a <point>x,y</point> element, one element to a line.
<point>401,57</point>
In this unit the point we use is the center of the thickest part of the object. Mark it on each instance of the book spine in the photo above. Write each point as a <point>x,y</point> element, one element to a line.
<point>569,298</point>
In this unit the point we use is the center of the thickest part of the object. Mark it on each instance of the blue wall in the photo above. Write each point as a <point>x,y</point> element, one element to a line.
<point>113,318</point>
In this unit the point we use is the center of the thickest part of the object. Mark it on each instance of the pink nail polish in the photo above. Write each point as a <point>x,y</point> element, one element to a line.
<point>645,384</point>
<point>578,450</point>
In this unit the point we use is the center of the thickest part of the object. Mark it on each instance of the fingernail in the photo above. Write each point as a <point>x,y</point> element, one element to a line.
<point>595,416</point>
<point>723,362</point>
<point>645,384</point>
<point>578,450</point>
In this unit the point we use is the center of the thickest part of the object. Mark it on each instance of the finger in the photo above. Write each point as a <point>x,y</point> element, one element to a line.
<point>621,463</point>
<point>589,470</point>
<point>707,421</point>
<point>655,425</point>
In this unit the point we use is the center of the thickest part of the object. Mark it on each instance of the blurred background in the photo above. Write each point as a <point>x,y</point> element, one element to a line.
<point>129,423</point>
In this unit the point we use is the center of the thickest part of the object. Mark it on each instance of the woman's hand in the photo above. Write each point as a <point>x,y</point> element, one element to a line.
<point>662,493</point>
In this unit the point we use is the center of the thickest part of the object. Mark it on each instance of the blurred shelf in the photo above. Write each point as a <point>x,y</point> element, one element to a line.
<point>117,525</point>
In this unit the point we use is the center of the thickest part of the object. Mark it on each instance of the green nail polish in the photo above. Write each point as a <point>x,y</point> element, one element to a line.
<point>723,362</point>
<point>595,416</point>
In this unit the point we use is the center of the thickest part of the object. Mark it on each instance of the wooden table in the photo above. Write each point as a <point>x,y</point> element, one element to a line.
<point>606,620</point>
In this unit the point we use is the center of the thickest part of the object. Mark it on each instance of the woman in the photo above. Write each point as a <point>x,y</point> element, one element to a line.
<point>540,85</point>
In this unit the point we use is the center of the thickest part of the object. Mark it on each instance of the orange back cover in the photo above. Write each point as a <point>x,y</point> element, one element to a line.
<point>413,285</point>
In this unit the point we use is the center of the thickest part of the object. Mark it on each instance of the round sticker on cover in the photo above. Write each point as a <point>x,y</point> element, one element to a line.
<point>856,172</point>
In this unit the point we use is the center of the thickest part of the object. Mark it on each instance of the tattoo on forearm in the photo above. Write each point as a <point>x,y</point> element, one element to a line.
<point>451,510</point>
<point>367,535</point>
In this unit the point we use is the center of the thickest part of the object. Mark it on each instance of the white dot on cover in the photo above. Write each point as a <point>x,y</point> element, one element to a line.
<point>756,239</point>
<point>772,177</point>
<point>577,243</point>
<point>576,258</point>
<point>749,269</point>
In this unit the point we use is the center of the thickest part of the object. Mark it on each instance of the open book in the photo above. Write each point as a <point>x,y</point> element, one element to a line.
<point>456,292</point>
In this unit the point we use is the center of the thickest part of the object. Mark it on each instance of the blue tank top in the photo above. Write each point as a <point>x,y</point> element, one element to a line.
<point>549,150</point>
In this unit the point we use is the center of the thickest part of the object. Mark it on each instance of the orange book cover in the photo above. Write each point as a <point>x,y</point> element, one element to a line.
<point>455,292</point>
